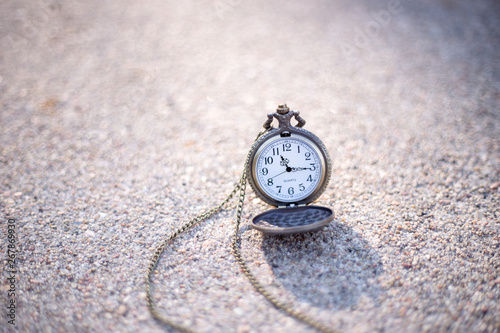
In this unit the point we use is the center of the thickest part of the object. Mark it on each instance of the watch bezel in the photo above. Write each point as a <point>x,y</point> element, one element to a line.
<point>293,133</point>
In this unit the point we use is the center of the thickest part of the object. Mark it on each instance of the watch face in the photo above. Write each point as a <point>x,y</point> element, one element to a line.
<point>288,169</point>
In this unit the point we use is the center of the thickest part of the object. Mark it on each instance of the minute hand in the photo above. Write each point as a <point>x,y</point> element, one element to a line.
<point>300,169</point>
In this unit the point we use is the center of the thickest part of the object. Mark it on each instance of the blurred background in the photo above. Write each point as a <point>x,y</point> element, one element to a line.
<point>217,67</point>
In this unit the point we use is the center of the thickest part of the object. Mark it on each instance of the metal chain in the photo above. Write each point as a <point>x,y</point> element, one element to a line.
<point>236,245</point>
<point>161,248</point>
<point>253,280</point>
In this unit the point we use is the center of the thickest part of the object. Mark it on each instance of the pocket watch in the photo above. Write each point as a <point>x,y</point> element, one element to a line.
<point>289,168</point>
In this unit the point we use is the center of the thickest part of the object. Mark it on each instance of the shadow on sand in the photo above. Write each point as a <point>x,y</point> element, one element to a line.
<point>330,268</point>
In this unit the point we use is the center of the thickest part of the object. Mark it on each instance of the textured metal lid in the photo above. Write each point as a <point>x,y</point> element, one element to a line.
<point>283,221</point>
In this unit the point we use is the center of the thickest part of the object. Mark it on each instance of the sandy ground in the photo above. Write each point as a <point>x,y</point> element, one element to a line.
<point>121,120</point>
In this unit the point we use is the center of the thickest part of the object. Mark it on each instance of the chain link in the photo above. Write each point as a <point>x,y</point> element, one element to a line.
<point>236,245</point>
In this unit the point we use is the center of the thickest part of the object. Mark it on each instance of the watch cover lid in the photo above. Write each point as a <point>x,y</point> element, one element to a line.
<point>282,221</point>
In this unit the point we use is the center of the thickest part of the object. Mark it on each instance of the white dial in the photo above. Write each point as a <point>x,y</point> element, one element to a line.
<point>288,169</point>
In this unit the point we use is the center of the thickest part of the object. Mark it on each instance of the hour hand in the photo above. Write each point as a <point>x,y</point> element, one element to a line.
<point>284,162</point>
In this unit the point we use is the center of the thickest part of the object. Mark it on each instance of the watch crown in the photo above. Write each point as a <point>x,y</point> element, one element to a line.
<point>282,109</point>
